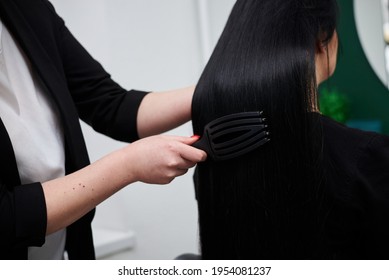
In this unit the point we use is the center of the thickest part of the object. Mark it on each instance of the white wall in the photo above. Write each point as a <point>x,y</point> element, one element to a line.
<point>369,23</point>
<point>148,45</point>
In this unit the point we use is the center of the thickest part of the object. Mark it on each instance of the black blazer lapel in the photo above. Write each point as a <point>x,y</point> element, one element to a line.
<point>45,66</point>
<point>41,61</point>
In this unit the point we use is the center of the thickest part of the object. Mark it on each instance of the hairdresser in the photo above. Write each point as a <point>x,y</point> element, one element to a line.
<point>48,188</point>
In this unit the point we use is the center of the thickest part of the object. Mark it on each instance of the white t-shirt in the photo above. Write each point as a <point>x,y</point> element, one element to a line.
<point>32,122</point>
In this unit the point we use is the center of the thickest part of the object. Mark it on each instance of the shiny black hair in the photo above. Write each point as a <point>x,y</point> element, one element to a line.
<point>266,204</point>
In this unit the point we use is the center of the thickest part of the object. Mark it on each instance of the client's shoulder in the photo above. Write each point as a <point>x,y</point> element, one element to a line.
<point>346,138</point>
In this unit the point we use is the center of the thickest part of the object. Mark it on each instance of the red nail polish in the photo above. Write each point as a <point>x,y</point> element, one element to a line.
<point>195,136</point>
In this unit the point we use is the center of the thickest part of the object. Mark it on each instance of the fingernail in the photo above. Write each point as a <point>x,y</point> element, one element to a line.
<point>195,136</point>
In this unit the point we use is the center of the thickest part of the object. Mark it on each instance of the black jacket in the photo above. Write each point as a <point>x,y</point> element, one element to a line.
<point>82,90</point>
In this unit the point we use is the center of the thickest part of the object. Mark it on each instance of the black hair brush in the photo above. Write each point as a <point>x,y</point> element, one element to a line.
<point>233,135</point>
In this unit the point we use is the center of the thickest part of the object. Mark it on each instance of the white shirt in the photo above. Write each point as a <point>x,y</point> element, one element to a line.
<point>32,122</point>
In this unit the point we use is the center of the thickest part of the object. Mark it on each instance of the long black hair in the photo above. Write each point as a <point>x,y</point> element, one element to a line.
<point>267,204</point>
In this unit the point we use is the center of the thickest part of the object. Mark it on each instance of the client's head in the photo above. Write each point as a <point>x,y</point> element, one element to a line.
<point>270,57</point>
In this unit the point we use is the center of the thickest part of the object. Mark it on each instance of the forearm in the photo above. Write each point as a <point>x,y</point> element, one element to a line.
<point>69,198</point>
<point>155,160</point>
<point>162,111</point>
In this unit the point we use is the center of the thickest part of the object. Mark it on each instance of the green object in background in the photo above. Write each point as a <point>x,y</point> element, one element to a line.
<point>368,96</point>
<point>334,104</point>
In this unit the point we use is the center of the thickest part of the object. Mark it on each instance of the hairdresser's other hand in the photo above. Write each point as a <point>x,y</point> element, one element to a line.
<point>159,159</point>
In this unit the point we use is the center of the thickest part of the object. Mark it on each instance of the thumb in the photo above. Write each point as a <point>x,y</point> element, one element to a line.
<point>191,153</point>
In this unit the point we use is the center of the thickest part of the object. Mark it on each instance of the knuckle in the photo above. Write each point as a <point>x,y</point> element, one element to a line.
<point>172,163</point>
<point>170,175</point>
<point>171,146</point>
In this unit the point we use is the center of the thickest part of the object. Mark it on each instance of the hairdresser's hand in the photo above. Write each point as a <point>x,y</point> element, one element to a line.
<point>159,159</point>
<point>156,160</point>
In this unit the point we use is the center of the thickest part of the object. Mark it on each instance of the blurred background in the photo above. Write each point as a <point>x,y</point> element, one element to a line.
<point>160,45</point>
<point>358,94</point>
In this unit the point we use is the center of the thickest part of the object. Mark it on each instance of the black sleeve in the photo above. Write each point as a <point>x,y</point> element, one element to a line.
<point>25,226</point>
<point>23,217</point>
<point>373,174</point>
<point>100,101</point>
